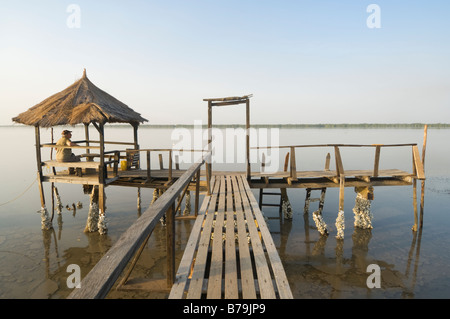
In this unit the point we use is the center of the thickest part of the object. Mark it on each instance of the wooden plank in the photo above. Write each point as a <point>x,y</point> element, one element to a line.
<point>284,289</point>
<point>187,260</point>
<point>196,283</point>
<point>54,163</point>
<point>246,269</point>
<point>103,275</point>
<point>231,280</point>
<point>262,269</point>
<point>215,271</point>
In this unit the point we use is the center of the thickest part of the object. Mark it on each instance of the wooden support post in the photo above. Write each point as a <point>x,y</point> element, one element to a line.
<point>420,174</point>
<point>422,193</point>
<point>101,199</point>
<point>177,162</point>
<point>102,174</point>
<point>136,142</point>
<point>416,219</point>
<point>286,162</point>
<point>170,245</point>
<point>86,135</point>
<point>39,164</point>
<point>148,166</point>
<point>161,164</point>
<point>208,164</point>
<point>247,129</point>
<point>197,192</point>
<point>414,169</point>
<point>377,161</point>
<point>208,178</point>
<point>263,163</point>
<point>170,165</point>
<point>293,166</point>
<point>338,159</point>
<point>341,192</point>
<point>135,135</point>
<point>327,162</point>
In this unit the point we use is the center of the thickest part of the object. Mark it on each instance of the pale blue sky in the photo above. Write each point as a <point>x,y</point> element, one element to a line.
<point>304,61</point>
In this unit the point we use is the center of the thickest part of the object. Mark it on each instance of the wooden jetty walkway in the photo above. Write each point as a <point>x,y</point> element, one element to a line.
<point>230,253</point>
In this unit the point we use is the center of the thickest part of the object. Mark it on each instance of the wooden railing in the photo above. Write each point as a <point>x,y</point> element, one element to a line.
<point>418,169</point>
<point>104,274</point>
<point>170,152</point>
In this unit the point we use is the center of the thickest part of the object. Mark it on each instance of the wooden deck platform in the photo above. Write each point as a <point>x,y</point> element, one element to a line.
<point>230,252</point>
<point>134,178</point>
<point>330,178</point>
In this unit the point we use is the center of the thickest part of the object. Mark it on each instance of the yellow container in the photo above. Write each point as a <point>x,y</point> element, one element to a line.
<point>123,165</point>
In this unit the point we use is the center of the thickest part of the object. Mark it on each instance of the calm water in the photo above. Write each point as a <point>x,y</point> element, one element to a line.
<point>33,262</point>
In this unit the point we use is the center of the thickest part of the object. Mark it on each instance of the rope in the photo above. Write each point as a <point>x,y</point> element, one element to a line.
<point>20,195</point>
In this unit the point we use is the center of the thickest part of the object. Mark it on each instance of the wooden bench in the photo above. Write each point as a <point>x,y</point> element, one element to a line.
<point>230,252</point>
<point>54,163</point>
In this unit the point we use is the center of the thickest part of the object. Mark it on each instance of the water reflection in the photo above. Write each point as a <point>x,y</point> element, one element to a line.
<point>56,261</point>
<point>325,267</point>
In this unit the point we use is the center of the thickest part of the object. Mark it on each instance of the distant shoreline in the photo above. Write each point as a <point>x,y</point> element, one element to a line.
<point>290,126</point>
<point>301,126</point>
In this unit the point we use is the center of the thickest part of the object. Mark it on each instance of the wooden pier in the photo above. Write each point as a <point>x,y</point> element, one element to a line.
<point>230,252</point>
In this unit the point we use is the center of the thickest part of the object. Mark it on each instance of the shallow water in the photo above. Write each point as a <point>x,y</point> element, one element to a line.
<point>33,262</point>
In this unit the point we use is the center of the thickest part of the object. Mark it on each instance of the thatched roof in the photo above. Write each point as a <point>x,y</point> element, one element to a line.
<point>82,102</point>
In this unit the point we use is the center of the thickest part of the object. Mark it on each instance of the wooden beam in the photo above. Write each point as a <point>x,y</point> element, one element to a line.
<point>228,103</point>
<point>230,98</point>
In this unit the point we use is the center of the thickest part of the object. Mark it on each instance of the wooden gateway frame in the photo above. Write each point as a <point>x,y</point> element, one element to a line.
<point>226,101</point>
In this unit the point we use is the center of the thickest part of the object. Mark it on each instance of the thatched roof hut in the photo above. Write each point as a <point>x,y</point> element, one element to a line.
<point>82,102</point>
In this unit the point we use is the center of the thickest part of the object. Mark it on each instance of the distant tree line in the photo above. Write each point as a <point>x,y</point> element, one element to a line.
<point>300,126</point>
